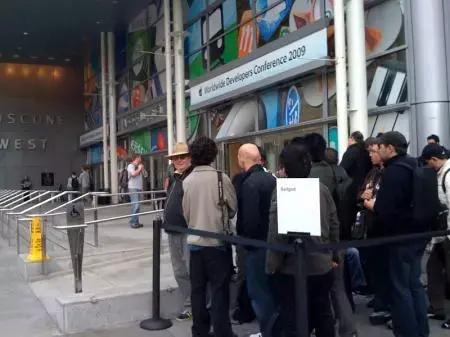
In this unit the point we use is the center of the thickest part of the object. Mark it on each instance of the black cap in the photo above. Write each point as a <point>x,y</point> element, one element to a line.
<point>394,138</point>
<point>433,150</point>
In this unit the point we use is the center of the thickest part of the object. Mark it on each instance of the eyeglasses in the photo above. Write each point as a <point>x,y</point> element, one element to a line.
<point>180,157</point>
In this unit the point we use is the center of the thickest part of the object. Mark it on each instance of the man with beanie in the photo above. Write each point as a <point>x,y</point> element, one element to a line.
<point>393,215</point>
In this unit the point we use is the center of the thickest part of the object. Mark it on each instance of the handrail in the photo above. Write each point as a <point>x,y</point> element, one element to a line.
<point>8,195</point>
<point>14,196</point>
<point>87,223</point>
<point>6,192</point>
<point>10,201</point>
<point>128,193</point>
<point>81,197</point>
<point>33,193</point>
<point>44,202</point>
<point>31,200</point>
<point>92,209</point>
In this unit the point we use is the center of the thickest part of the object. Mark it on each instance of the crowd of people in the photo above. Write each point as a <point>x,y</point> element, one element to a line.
<point>376,191</point>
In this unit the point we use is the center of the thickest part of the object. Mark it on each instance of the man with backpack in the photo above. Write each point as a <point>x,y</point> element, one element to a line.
<point>73,184</point>
<point>397,212</point>
<point>438,265</point>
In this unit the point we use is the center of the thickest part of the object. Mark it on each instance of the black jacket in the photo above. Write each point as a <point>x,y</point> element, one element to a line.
<point>393,212</point>
<point>173,210</point>
<point>254,199</point>
<point>356,162</point>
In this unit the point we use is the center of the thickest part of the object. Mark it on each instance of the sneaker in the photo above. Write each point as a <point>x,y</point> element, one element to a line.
<point>138,225</point>
<point>258,334</point>
<point>184,316</point>
<point>446,325</point>
<point>379,318</point>
<point>390,325</point>
<point>436,315</point>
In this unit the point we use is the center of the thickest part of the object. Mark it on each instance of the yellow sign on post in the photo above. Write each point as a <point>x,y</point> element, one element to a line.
<point>36,253</point>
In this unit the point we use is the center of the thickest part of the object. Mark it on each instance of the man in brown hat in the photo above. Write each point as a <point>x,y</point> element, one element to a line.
<point>173,215</point>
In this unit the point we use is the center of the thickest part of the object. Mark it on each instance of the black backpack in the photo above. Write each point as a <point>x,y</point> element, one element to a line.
<point>124,179</point>
<point>75,184</point>
<point>427,210</point>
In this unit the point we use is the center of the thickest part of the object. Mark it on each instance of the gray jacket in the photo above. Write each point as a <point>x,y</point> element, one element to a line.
<point>201,207</point>
<point>317,263</point>
<point>324,172</point>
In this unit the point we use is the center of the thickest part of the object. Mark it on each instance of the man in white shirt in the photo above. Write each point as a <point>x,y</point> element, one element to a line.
<point>135,182</point>
<point>438,265</point>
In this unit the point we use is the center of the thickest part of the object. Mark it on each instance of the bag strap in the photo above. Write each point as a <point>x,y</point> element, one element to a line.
<point>223,204</point>
<point>443,181</point>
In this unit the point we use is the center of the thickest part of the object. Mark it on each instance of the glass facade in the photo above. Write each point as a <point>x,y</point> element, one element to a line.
<point>220,32</point>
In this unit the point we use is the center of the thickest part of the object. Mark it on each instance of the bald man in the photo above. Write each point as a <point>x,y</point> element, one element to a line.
<point>254,199</point>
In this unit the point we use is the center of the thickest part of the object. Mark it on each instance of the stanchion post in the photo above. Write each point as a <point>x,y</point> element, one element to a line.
<point>301,290</point>
<point>18,237</point>
<point>156,323</point>
<point>95,205</point>
<point>44,246</point>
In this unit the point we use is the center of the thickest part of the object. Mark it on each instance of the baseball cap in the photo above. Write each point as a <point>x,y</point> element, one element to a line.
<point>433,150</point>
<point>393,138</point>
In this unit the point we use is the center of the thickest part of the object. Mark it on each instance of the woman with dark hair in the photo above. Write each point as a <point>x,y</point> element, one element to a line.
<point>208,207</point>
<point>297,164</point>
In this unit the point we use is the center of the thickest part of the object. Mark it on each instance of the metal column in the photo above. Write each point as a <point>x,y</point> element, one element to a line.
<point>179,69</point>
<point>112,118</point>
<point>104,111</point>
<point>357,66</point>
<point>428,80</point>
<point>169,88</point>
<point>341,76</point>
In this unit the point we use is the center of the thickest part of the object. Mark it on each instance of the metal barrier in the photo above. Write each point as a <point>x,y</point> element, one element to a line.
<point>26,215</point>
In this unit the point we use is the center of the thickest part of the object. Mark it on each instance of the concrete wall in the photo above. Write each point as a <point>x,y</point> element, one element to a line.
<point>41,119</point>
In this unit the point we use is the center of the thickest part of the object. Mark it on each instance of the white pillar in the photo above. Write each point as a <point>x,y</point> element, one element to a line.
<point>112,117</point>
<point>357,71</point>
<point>179,69</point>
<point>169,88</point>
<point>341,76</point>
<point>104,111</point>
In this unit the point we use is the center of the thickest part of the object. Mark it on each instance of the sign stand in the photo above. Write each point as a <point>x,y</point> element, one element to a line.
<point>75,216</point>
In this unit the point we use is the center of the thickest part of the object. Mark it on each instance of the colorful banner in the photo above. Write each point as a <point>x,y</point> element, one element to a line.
<point>158,139</point>
<point>140,142</point>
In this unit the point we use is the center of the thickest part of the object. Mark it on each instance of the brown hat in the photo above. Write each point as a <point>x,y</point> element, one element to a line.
<point>179,149</point>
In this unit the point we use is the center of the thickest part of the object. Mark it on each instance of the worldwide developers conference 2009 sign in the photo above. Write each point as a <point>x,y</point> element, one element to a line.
<point>253,73</point>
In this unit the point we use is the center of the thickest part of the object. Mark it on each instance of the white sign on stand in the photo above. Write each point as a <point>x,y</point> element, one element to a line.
<point>298,202</point>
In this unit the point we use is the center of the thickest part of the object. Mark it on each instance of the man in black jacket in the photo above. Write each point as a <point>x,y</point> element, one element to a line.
<point>393,215</point>
<point>254,200</point>
<point>356,160</point>
<point>173,216</point>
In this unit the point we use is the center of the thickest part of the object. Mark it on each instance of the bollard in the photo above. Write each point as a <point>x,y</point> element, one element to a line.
<point>301,290</point>
<point>156,323</point>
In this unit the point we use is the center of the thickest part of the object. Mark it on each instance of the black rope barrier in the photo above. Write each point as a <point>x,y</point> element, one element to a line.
<point>300,247</point>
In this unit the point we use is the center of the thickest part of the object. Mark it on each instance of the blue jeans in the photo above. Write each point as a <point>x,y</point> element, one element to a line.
<point>135,206</point>
<point>258,286</point>
<point>408,296</point>
<point>358,279</point>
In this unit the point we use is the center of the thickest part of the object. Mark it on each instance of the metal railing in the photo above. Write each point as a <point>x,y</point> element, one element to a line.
<point>22,212</point>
